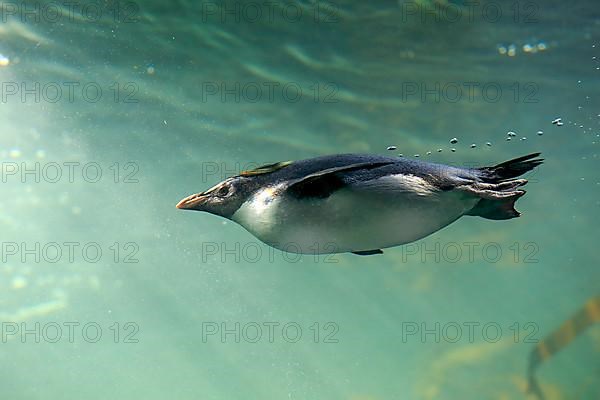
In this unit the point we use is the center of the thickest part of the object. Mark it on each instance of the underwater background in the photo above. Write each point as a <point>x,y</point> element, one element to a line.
<point>111,112</point>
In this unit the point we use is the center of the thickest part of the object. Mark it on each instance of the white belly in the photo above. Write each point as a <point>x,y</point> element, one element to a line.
<point>349,220</point>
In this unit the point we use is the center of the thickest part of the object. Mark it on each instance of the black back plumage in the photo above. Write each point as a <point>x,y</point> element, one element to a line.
<point>375,166</point>
<point>346,169</point>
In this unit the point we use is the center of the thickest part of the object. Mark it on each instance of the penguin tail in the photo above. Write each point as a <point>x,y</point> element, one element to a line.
<point>498,190</point>
<point>510,169</point>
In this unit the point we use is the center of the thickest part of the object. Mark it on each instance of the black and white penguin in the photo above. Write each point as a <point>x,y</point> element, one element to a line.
<point>360,203</point>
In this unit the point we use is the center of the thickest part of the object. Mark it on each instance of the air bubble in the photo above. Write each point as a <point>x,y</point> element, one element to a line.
<point>14,153</point>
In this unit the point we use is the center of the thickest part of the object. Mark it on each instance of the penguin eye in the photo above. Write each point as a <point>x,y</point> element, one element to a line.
<point>223,191</point>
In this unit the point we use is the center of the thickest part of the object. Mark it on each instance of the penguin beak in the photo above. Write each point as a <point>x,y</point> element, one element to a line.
<point>193,202</point>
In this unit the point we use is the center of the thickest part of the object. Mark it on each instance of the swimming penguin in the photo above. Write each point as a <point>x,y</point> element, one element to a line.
<point>360,203</point>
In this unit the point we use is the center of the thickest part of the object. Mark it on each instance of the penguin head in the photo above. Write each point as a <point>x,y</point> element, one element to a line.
<point>223,199</point>
<point>226,197</point>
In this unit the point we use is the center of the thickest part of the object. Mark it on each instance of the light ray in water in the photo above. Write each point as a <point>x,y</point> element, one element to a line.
<point>561,338</point>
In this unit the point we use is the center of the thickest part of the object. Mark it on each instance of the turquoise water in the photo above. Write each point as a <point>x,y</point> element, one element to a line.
<point>154,314</point>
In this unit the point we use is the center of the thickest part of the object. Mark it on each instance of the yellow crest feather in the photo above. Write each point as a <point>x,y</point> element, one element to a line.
<point>266,169</point>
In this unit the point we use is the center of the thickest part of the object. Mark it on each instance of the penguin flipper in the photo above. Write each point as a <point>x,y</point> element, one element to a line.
<point>368,252</point>
<point>323,183</point>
